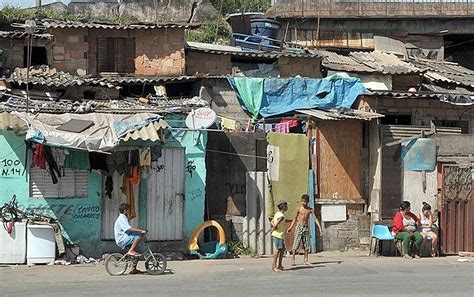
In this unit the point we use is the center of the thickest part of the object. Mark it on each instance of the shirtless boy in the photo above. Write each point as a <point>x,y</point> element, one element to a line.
<point>302,228</point>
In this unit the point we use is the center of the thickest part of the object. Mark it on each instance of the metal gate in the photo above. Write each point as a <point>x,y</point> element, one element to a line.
<point>457,209</point>
<point>166,197</point>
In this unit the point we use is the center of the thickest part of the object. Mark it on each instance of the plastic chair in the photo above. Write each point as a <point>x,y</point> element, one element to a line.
<point>380,233</point>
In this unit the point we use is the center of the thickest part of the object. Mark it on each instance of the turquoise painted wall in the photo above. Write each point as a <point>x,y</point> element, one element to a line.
<point>79,217</point>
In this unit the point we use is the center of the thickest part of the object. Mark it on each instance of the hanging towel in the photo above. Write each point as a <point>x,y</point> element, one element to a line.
<point>38,159</point>
<point>127,190</point>
<point>228,124</point>
<point>77,160</point>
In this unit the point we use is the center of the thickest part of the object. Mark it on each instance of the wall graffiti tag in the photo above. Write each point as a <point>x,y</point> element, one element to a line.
<point>190,167</point>
<point>12,168</point>
<point>65,211</point>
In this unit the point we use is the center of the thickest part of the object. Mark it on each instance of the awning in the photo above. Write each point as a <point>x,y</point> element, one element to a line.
<point>337,115</point>
<point>10,122</point>
<point>92,132</point>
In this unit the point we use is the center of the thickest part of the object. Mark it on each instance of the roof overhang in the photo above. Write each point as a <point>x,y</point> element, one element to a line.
<point>337,115</point>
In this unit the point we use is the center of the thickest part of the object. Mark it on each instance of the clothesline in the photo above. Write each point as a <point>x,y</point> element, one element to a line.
<point>236,154</point>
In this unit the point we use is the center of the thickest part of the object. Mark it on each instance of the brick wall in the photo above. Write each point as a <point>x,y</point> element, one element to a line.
<point>70,50</point>
<point>306,67</point>
<point>158,52</point>
<point>211,64</point>
<point>17,49</point>
<point>421,110</point>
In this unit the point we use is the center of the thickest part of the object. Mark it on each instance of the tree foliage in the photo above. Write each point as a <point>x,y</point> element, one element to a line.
<point>233,6</point>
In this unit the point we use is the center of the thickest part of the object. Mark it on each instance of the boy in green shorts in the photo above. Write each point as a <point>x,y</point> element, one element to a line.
<point>278,233</point>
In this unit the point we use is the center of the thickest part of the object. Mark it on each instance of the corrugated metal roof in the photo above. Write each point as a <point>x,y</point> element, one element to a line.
<point>79,25</point>
<point>239,52</point>
<point>446,71</point>
<point>338,62</point>
<point>50,77</point>
<point>337,115</point>
<point>454,99</point>
<point>367,62</point>
<point>147,133</point>
<point>22,35</point>
<point>122,106</point>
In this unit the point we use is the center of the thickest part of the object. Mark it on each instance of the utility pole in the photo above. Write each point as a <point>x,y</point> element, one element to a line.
<point>38,3</point>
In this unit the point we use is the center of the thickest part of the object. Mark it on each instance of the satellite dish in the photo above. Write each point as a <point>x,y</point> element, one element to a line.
<point>201,118</point>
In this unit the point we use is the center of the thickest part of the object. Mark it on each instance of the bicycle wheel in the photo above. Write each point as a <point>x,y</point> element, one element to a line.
<point>7,214</point>
<point>157,265</point>
<point>115,265</point>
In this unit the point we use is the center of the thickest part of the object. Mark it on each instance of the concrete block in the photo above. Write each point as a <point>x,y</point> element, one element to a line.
<point>58,50</point>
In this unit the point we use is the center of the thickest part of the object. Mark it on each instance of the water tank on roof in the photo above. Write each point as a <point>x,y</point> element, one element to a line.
<point>265,27</point>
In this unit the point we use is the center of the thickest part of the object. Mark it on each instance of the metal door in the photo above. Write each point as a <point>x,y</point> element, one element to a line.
<point>166,197</point>
<point>457,209</point>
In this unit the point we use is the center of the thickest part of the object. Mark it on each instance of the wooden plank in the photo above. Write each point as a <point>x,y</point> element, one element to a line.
<point>340,149</point>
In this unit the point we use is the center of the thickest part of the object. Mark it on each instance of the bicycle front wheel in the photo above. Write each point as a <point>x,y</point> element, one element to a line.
<point>115,265</point>
<point>155,264</point>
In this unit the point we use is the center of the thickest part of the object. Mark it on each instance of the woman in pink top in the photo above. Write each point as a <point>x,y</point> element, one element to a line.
<point>426,222</point>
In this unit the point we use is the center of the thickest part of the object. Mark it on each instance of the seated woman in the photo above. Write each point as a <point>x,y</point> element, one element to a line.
<point>404,228</point>
<point>426,220</point>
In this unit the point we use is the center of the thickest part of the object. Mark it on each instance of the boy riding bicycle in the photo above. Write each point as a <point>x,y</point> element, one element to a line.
<point>128,236</point>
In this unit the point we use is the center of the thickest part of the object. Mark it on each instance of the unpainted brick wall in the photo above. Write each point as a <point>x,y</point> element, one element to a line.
<point>158,52</point>
<point>70,50</point>
<point>17,49</point>
<point>306,67</point>
<point>204,63</point>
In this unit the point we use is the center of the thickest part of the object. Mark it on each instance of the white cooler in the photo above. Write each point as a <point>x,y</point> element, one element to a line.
<point>13,246</point>
<point>41,246</point>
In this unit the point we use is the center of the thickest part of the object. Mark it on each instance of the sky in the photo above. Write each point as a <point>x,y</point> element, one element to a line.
<point>27,3</point>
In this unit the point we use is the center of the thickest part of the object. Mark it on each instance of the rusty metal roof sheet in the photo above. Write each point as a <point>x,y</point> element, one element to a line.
<point>338,62</point>
<point>22,35</point>
<point>43,75</point>
<point>47,23</point>
<point>337,115</point>
<point>385,63</point>
<point>446,71</point>
<point>367,62</point>
<point>237,51</point>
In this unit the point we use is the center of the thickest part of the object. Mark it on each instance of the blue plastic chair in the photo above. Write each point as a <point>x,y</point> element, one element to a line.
<point>380,233</point>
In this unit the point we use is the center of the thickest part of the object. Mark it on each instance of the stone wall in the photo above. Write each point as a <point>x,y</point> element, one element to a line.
<point>148,10</point>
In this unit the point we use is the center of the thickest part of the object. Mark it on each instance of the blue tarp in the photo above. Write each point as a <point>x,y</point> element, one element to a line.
<point>285,95</point>
<point>419,154</point>
<point>123,127</point>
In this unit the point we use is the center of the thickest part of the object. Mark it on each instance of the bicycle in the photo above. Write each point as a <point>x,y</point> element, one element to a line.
<point>117,263</point>
<point>10,212</point>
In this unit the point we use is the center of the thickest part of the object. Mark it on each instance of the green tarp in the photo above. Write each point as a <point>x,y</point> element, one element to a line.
<point>288,164</point>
